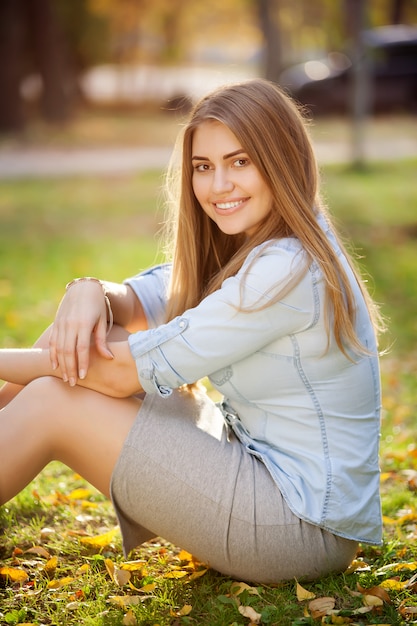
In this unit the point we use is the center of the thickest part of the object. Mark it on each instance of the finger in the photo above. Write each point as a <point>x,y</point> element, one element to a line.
<point>52,348</point>
<point>83,352</point>
<point>100,339</point>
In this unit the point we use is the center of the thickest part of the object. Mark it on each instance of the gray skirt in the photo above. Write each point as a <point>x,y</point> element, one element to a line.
<point>183,476</point>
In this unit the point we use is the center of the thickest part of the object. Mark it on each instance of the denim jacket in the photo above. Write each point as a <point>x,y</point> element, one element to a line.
<point>309,413</point>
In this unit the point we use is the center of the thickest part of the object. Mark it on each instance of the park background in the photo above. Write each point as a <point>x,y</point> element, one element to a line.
<point>93,94</point>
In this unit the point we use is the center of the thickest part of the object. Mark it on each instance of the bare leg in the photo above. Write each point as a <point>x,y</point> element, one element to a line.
<point>10,390</point>
<point>48,420</point>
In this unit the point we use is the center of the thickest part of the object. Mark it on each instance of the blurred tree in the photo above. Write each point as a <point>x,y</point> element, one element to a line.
<point>11,43</point>
<point>46,40</point>
<point>269,20</point>
<point>360,85</point>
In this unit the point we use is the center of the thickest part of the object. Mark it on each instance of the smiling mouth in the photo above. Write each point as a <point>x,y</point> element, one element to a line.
<point>228,205</point>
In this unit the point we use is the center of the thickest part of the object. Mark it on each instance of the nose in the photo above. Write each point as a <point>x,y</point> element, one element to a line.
<point>221,181</point>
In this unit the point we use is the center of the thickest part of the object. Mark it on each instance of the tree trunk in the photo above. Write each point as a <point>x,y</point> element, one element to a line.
<point>397,10</point>
<point>268,11</point>
<point>360,85</point>
<point>11,44</point>
<point>48,48</point>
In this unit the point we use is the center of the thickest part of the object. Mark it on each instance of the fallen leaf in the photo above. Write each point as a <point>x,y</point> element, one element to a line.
<point>79,494</point>
<point>57,584</point>
<point>321,606</point>
<point>124,601</point>
<point>393,584</point>
<point>100,541</point>
<point>248,611</point>
<point>237,588</point>
<point>186,610</point>
<point>377,591</point>
<point>176,574</point>
<point>50,566</point>
<point>15,574</point>
<point>129,619</point>
<point>303,594</point>
<point>198,574</point>
<point>39,550</point>
<point>369,600</point>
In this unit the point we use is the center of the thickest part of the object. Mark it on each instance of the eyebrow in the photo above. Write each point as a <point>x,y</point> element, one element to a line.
<point>226,156</point>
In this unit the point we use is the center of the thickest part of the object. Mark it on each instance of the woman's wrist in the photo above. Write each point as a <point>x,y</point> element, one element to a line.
<point>106,297</point>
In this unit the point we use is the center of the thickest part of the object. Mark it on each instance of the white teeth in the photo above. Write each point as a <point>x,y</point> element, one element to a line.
<point>227,205</point>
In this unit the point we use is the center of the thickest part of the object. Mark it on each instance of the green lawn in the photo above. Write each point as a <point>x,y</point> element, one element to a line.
<point>53,230</point>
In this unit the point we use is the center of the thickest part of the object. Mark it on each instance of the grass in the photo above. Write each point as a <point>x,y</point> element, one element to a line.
<point>53,230</point>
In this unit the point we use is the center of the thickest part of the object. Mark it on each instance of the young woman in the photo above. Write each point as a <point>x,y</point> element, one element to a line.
<point>280,479</point>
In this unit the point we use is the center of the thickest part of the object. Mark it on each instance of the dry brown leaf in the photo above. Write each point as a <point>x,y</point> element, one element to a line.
<point>303,594</point>
<point>321,606</point>
<point>39,550</point>
<point>121,577</point>
<point>377,591</point>
<point>248,611</point>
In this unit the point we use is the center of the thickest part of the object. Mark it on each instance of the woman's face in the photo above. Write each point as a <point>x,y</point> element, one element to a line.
<point>226,183</point>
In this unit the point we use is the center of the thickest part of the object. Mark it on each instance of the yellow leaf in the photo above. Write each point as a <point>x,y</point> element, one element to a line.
<point>237,588</point>
<point>303,594</point>
<point>83,569</point>
<point>248,611</point>
<point>51,565</point>
<point>79,494</point>
<point>124,601</point>
<point>185,556</point>
<point>100,541</point>
<point>129,619</point>
<point>133,566</point>
<point>388,520</point>
<point>393,584</point>
<point>57,584</point>
<point>110,568</point>
<point>176,574</point>
<point>186,610</point>
<point>147,588</point>
<point>15,574</point>
<point>198,574</point>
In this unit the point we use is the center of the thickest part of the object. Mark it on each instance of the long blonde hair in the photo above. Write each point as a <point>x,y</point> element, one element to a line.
<point>272,130</point>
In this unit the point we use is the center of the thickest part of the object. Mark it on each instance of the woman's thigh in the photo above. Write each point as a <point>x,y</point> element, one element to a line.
<point>48,420</point>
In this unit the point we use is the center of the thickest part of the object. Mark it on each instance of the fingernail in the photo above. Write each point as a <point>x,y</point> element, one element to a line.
<point>82,374</point>
<point>72,382</point>
<point>65,378</point>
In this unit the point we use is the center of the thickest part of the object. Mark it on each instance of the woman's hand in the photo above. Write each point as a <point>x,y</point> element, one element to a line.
<point>81,319</point>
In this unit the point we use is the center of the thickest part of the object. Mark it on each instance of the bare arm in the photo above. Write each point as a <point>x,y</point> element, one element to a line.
<point>116,377</point>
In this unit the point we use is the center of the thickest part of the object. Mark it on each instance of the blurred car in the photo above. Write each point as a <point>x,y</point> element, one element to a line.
<point>323,85</point>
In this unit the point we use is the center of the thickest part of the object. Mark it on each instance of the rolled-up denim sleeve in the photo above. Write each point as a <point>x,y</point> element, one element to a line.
<point>219,332</point>
<point>151,288</point>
